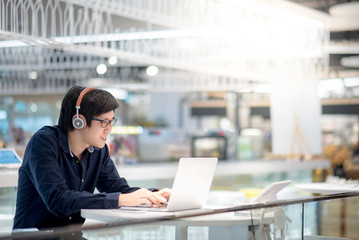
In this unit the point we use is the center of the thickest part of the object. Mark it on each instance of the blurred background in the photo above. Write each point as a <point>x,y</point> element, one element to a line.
<point>235,79</point>
<point>250,82</point>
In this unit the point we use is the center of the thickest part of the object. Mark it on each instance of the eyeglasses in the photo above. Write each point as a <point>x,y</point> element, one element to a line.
<point>106,122</point>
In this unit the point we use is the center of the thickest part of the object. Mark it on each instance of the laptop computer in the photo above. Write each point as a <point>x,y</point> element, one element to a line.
<point>269,194</point>
<point>9,158</point>
<point>190,187</point>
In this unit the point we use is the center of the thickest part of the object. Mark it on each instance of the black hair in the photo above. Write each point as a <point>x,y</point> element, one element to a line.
<point>94,103</point>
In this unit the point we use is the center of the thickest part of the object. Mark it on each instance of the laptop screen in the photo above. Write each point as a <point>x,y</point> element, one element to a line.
<point>9,156</point>
<point>270,192</point>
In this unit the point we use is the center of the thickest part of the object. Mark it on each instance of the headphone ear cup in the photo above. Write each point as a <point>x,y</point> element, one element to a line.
<point>79,122</point>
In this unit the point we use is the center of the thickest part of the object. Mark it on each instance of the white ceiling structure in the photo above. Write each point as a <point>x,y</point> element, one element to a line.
<point>341,17</point>
<point>202,45</point>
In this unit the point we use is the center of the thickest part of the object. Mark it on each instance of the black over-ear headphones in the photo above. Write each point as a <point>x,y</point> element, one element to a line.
<point>79,120</point>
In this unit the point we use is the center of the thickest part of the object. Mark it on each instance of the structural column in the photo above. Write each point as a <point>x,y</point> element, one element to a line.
<point>296,118</point>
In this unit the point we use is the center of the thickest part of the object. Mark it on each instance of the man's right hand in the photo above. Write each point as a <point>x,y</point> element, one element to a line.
<point>140,196</point>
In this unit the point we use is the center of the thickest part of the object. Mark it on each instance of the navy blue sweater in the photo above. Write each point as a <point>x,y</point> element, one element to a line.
<point>54,185</point>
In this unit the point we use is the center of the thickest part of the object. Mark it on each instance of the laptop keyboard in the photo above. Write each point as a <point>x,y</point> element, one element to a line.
<point>162,206</point>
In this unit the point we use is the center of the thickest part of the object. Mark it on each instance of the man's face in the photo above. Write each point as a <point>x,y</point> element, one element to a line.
<point>97,134</point>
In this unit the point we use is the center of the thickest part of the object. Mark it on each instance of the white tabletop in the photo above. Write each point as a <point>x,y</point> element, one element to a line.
<point>327,188</point>
<point>215,219</point>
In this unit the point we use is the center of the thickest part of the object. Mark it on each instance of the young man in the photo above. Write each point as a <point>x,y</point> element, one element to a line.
<point>63,165</point>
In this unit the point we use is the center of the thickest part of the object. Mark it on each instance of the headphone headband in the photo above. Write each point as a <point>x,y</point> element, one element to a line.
<point>82,94</point>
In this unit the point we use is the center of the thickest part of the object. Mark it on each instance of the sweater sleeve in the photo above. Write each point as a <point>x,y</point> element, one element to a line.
<point>43,168</point>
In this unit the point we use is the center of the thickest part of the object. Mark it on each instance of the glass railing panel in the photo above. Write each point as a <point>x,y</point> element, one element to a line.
<point>7,209</point>
<point>155,231</point>
<point>310,218</point>
<point>332,215</point>
<point>338,218</point>
<point>141,231</point>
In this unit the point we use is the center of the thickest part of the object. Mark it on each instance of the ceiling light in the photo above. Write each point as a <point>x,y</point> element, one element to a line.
<point>33,107</point>
<point>225,123</point>
<point>101,69</point>
<point>33,75</point>
<point>112,60</point>
<point>152,71</point>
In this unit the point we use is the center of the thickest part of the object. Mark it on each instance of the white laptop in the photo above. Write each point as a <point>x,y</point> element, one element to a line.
<point>269,194</point>
<point>190,187</point>
<point>9,158</point>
